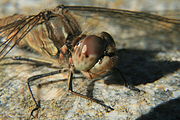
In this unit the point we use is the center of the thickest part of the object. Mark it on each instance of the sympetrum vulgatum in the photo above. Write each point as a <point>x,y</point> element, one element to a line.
<point>64,31</point>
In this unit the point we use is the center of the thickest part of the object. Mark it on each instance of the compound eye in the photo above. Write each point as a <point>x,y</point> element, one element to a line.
<point>95,45</point>
<point>87,52</point>
<point>111,47</point>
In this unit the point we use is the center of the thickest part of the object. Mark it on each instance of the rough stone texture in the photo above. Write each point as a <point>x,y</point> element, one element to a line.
<point>150,62</point>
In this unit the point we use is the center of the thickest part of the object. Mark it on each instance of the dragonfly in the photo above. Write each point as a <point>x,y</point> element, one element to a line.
<point>59,35</point>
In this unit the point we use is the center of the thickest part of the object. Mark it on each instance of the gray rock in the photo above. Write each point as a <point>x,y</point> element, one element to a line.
<point>150,62</point>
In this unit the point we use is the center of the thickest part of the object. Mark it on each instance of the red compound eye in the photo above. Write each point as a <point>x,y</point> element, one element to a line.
<point>87,53</point>
<point>95,55</point>
<point>95,45</point>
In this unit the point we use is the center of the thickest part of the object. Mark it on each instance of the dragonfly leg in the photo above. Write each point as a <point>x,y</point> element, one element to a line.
<point>37,62</point>
<point>36,77</point>
<point>127,84</point>
<point>70,89</point>
<point>29,59</point>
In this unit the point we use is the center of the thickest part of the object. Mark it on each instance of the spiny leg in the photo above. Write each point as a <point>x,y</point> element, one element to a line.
<point>55,81</point>
<point>36,77</point>
<point>70,89</point>
<point>37,62</point>
<point>127,84</point>
<point>50,82</point>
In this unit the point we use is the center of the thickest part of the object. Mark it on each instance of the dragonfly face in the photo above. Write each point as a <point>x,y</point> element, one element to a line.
<point>95,55</point>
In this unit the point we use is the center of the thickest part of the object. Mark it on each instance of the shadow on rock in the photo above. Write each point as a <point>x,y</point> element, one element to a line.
<point>141,67</point>
<point>167,111</point>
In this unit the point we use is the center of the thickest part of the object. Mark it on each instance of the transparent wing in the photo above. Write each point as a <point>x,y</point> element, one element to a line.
<point>141,20</point>
<point>45,32</point>
<point>174,14</point>
<point>123,25</point>
<point>15,31</point>
<point>126,25</point>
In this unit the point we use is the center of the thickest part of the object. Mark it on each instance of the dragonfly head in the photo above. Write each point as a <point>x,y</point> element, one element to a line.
<point>94,53</point>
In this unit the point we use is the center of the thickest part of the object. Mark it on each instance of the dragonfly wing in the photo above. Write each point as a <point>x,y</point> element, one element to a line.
<point>141,20</point>
<point>127,25</point>
<point>45,32</point>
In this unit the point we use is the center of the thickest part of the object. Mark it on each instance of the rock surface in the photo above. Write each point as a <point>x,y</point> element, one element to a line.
<point>150,62</point>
